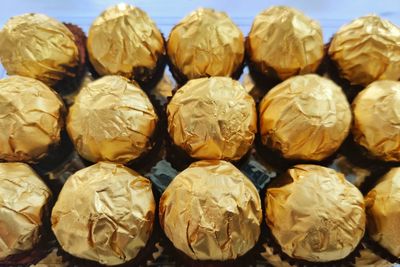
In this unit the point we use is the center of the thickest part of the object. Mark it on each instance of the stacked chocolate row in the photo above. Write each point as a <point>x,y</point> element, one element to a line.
<point>105,213</point>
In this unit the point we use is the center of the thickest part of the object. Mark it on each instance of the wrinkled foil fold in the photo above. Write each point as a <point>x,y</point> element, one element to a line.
<point>305,117</point>
<point>23,200</point>
<point>104,213</point>
<point>367,49</point>
<point>315,214</point>
<point>124,39</point>
<point>212,118</point>
<point>211,211</point>
<point>382,205</point>
<point>40,47</point>
<point>376,124</point>
<point>206,43</point>
<point>112,119</point>
<point>31,119</point>
<point>284,42</point>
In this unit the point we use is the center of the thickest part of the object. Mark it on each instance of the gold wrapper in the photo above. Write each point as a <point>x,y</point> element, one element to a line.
<point>31,119</point>
<point>382,204</point>
<point>315,214</point>
<point>305,117</point>
<point>272,258</point>
<point>284,42</point>
<point>124,39</point>
<point>112,119</point>
<point>206,43</point>
<point>366,50</point>
<point>212,118</point>
<point>104,213</point>
<point>23,199</point>
<point>376,124</point>
<point>211,211</point>
<point>40,47</point>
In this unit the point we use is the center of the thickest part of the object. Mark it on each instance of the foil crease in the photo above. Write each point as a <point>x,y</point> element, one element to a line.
<point>212,118</point>
<point>284,42</point>
<point>112,119</point>
<point>40,47</point>
<point>124,39</point>
<point>382,205</point>
<point>315,214</point>
<point>23,200</point>
<point>206,43</point>
<point>211,211</point>
<point>305,117</point>
<point>31,119</point>
<point>376,124</point>
<point>104,213</point>
<point>366,50</point>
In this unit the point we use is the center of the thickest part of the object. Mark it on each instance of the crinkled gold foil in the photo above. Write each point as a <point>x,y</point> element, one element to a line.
<point>285,41</point>
<point>31,119</point>
<point>305,117</point>
<point>212,118</point>
<point>37,46</point>
<point>122,39</point>
<point>367,49</point>
<point>23,199</point>
<point>112,119</point>
<point>104,213</point>
<point>382,204</point>
<point>211,211</point>
<point>315,214</point>
<point>206,43</point>
<point>376,124</point>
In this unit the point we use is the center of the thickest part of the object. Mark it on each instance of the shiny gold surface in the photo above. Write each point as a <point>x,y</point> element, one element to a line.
<point>206,43</point>
<point>104,213</point>
<point>212,118</point>
<point>23,199</point>
<point>366,50</point>
<point>315,214</point>
<point>285,41</point>
<point>273,258</point>
<point>376,124</point>
<point>123,39</point>
<point>382,204</point>
<point>211,211</point>
<point>37,46</point>
<point>112,119</point>
<point>31,118</point>
<point>305,117</point>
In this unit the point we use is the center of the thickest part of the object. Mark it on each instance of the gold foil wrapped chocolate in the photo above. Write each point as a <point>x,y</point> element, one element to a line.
<point>206,43</point>
<point>31,119</point>
<point>40,47</point>
<point>211,211</point>
<point>212,118</point>
<point>382,204</point>
<point>376,124</point>
<point>124,40</point>
<point>305,117</point>
<point>23,200</point>
<point>368,258</point>
<point>315,214</point>
<point>366,50</point>
<point>104,213</point>
<point>112,119</point>
<point>284,42</point>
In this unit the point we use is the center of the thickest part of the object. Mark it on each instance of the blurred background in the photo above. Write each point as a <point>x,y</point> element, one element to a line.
<point>330,13</point>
